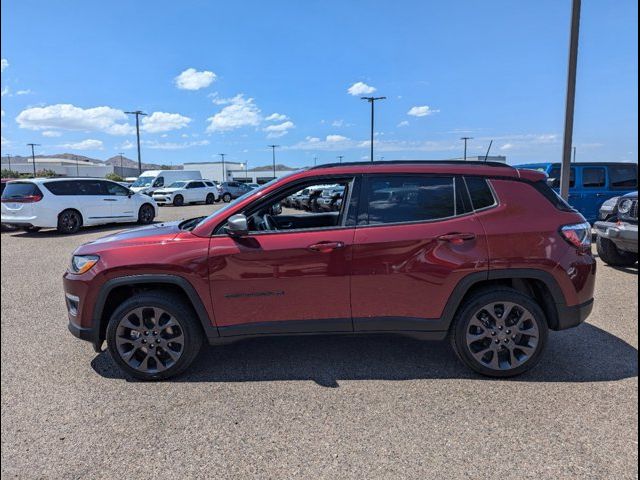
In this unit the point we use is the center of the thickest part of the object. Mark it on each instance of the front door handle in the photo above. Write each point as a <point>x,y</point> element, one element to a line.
<point>110,199</point>
<point>325,247</point>
<point>457,238</point>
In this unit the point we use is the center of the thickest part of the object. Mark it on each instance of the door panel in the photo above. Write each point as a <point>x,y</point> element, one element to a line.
<point>284,278</point>
<point>403,275</point>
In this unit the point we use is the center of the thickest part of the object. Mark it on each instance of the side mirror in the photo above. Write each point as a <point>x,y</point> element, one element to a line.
<point>276,209</point>
<point>237,226</point>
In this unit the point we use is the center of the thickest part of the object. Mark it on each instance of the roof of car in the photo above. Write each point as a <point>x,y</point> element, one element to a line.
<point>460,167</point>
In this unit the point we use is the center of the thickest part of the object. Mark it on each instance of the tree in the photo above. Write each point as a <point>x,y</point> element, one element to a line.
<point>114,177</point>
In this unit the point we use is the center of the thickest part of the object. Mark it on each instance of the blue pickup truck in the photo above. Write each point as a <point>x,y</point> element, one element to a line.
<point>592,183</point>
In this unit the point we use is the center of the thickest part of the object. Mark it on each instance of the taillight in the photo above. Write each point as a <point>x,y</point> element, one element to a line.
<point>578,235</point>
<point>23,199</point>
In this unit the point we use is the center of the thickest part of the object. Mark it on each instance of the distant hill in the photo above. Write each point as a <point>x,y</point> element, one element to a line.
<point>269,168</point>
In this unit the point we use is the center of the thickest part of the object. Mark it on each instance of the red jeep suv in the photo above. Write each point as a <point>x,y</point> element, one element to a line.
<point>483,254</point>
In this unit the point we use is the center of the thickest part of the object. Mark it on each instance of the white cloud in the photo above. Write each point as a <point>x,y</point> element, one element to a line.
<point>154,145</point>
<point>276,117</point>
<point>360,88</point>
<point>5,91</point>
<point>506,146</point>
<point>403,123</point>
<point>5,142</point>
<point>69,117</point>
<point>242,112</point>
<point>421,111</point>
<point>191,79</point>
<point>336,138</point>
<point>3,64</point>
<point>51,133</point>
<point>279,130</point>
<point>88,144</point>
<point>23,92</point>
<point>164,122</point>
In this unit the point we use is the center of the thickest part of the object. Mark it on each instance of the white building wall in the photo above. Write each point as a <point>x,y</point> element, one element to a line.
<point>82,170</point>
<point>213,170</point>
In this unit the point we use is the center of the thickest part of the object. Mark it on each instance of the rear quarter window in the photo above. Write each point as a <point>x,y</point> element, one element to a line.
<point>480,193</point>
<point>17,190</point>
<point>623,176</point>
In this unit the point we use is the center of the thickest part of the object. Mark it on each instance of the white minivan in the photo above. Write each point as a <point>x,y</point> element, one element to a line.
<point>151,180</point>
<point>68,204</point>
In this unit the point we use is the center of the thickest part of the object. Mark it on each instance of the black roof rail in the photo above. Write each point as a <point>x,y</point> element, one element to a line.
<point>414,162</point>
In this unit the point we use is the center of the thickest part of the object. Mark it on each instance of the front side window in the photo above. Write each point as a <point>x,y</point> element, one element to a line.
<point>593,177</point>
<point>409,198</point>
<point>142,182</point>
<point>115,189</point>
<point>623,176</point>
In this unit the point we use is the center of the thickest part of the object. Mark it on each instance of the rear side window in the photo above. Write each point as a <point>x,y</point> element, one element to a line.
<point>209,184</point>
<point>593,177</point>
<point>20,190</point>
<point>556,200</point>
<point>65,187</point>
<point>480,192</point>
<point>395,199</point>
<point>196,185</point>
<point>623,176</point>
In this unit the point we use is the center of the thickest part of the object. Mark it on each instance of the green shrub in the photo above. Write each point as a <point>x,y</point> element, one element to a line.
<point>114,177</point>
<point>46,173</point>
<point>6,173</point>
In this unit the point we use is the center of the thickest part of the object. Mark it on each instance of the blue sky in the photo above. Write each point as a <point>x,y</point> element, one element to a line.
<point>234,77</point>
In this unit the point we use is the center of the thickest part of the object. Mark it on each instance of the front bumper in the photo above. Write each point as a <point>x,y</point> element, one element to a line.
<point>78,300</point>
<point>623,235</point>
<point>162,199</point>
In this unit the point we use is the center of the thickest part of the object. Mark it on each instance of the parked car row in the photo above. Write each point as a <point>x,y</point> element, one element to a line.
<point>321,198</point>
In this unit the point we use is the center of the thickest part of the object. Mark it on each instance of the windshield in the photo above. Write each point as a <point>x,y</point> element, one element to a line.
<point>232,204</point>
<point>177,185</point>
<point>143,182</point>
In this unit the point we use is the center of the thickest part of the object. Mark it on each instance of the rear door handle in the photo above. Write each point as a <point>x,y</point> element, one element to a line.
<point>325,247</point>
<point>457,238</point>
<point>110,199</point>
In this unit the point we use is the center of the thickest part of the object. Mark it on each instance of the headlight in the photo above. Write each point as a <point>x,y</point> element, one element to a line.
<point>83,263</point>
<point>625,206</point>
<point>611,203</point>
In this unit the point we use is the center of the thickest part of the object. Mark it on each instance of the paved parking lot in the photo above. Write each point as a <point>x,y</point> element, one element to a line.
<point>314,407</point>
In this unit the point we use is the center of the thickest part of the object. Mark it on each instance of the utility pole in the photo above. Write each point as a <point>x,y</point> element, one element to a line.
<point>315,161</point>
<point>574,154</point>
<point>273,152</point>
<point>137,113</point>
<point>340,157</point>
<point>9,159</point>
<point>224,173</point>
<point>466,139</point>
<point>246,170</point>
<point>121,167</point>
<point>565,173</point>
<point>33,156</point>
<point>372,101</point>
<point>75,157</point>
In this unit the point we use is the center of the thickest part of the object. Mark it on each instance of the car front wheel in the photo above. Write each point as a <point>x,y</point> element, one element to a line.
<point>210,199</point>
<point>178,201</point>
<point>611,255</point>
<point>154,335</point>
<point>146,214</point>
<point>499,333</point>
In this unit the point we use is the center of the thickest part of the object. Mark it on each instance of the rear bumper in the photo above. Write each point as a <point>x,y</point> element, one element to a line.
<point>569,317</point>
<point>623,235</point>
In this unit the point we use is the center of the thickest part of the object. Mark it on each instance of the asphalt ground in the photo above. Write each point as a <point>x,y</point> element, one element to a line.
<point>310,407</point>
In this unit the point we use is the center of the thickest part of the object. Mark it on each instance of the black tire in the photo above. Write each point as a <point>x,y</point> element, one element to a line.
<point>189,330</point>
<point>611,255</point>
<point>69,221</point>
<point>146,214</point>
<point>210,199</point>
<point>31,229</point>
<point>226,198</point>
<point>178,201</point>
<point>512,360</point>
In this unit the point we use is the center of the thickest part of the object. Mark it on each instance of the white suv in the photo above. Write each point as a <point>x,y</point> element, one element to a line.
<point>67,204</point>
<point>187,191</point>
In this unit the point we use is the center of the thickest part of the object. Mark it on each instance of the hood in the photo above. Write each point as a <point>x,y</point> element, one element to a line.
<point>151,234</point>
<point>167,190</point>
<point>631,195</point>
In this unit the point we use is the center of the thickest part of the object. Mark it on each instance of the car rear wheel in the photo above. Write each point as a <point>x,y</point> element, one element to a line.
<point>611,255</point>
<point>69,221</point>
<point>499,333</point>
<point>226,197</point>
<point>154,335</point>
<point>146,214</point>
<point>178,201</point>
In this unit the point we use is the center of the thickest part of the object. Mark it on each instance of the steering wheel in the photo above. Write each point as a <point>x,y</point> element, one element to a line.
<point>269,222</point>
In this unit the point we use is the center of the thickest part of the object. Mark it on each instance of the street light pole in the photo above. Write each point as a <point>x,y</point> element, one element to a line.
<point>121,167</point>
<point>465,145</point>
<point>137,113</point>
<point>33,156</point>
<point>224,176</point>
<point>565,173</point>
<point>372,101</point>
<point>315,161</point>
<point>9,159</point>
<point>77,166</point>
<point>273,152</point>
<point>340,157</point>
